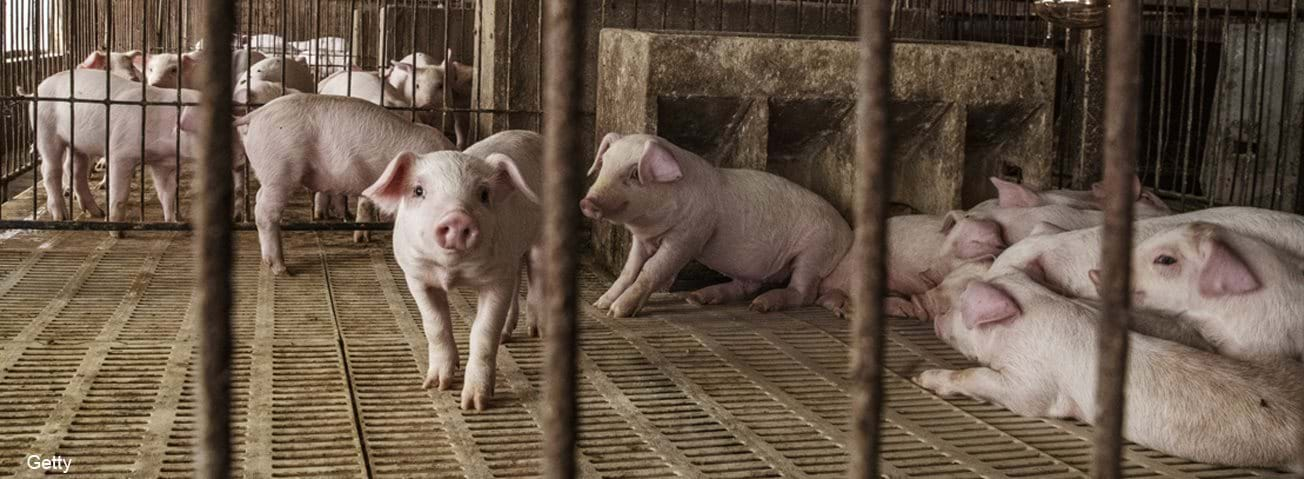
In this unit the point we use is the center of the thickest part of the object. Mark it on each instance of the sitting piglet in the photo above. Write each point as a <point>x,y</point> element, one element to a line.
<point>752,226</point>
<point>466,219</point>
<point>1245,295</point>
<point>1039,355</point>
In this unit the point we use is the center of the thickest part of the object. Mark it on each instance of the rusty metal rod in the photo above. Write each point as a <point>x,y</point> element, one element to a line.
<point>869,250</point>
<point>562,180</point>
<point>102,225</point>
<point>213,236</point>
<point>1122,95</point>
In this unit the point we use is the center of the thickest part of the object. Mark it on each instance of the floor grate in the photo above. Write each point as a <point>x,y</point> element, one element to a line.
<point>97,364</point>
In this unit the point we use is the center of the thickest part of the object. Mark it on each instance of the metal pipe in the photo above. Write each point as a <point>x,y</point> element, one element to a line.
<point>73,225</point>
<point>869,250</point>
<point>212,215</point>
<point>562,181</point>
<point>1122,94</point>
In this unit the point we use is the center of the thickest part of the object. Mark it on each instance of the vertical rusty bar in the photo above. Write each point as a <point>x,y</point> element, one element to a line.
<point>565,22</point>
<point>213,208</point>
<point>1122,93</point>
<point>872,192</point>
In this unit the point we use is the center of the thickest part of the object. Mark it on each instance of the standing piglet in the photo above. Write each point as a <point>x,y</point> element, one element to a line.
<point>328,144</point>
<point>465,219</point>
<point>752,226</point>
<point>1243,294</point>
<point>1039,355</point>
<point>75,129</point>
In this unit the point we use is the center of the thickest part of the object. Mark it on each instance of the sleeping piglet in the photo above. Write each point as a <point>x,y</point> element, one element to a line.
<point>754,227</point>
<point>1243,294</point>
<point>466,220</point>
<point>1039,355</point>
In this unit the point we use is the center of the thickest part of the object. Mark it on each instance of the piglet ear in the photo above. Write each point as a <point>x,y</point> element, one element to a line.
<point>952,217</point>
<point>401,67</point>
<point>602,149</point>
<point>1098,189</point>
<point>508,177</point>
<point>982,303</point>
<point>1150,198</point>
<point>95,60</point>
<point>389,190</point>
<point>1224,272</point>
<point>977,238</point>
<point>1095,278</point>
<point>658,164</point>
<point>139,60</point>
<point>1014,195</point>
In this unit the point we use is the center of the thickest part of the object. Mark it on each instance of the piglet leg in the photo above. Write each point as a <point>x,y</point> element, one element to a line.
<point>437,322</point>
<point>724,292</point>
<point>989,385</point>
<point>659,269</point>
<point>638,255</point>
<point>491,312</point>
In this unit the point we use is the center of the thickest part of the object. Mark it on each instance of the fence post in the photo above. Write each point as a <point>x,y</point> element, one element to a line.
<point>213,239</point>
<point>564,34</point>
<point>1122,95</point>
<point>872,193</point>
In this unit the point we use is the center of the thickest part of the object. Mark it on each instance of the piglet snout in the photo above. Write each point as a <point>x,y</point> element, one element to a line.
<point>590,208</point>
<point>456,232</point>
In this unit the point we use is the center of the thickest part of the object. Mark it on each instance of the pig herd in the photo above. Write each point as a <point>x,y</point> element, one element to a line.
<point>1218,332</point>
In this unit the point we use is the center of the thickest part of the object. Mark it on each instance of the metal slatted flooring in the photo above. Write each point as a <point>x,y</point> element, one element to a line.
<point>97,363</point>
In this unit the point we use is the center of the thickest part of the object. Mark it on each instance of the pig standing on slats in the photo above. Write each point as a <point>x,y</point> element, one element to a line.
<point>752,226</point>
<point>467,219</point>
<point>324,143</point>
<point>1039,355</point>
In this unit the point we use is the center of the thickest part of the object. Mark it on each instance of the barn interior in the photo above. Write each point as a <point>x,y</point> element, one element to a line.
<point>99,335</point>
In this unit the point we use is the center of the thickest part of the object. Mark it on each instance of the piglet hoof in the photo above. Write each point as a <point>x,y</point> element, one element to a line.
<point>277,267</point>
<point>361,236</point>
<point>936,380</point>
<point>698,299</point>
<point>476,396</point>
<point>533,330</point>
<point>506,337</point>
<point>603,303</point>
<point>440,377</point>
<point>116,234</point>
<point>623,310</point>
<point>95,212</point>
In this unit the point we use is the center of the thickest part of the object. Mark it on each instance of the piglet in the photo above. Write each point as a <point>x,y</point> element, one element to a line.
<point>259,92</point>
<point>1245,295</point>
<point>329,144</point>
<point>364,85</point>
<point>752,226</point>
<point>289,72</point>
<point>1014,195</point>
<point>466,219</point>
<point>169,70</point>
<point>122,64</point>
<point>1068,257</point>
<point>1038,351</point>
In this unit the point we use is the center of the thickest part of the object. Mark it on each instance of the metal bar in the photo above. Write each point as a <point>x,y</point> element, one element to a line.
<point>213,208</point>
<point>1122,92</point>
<point>872,193</point>
<point>566,22</point>
<point>162,226</point>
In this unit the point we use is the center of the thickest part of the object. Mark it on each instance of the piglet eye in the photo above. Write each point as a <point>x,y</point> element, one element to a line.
<point>1165,260</point>
<point>484,195</point>
<point>633,175</point>
<point>419,192</point>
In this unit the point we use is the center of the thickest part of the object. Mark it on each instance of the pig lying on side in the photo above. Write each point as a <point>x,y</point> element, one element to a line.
<point>1039,355</point>
<point>1067,258</point>
<point>466,219</point>
<point>752,226</point>
<point>1014,195</point>
<point>323,143</point>
<point>1243,294</point>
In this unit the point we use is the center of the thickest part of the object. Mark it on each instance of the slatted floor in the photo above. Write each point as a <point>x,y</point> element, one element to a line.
<point>97,364</point>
